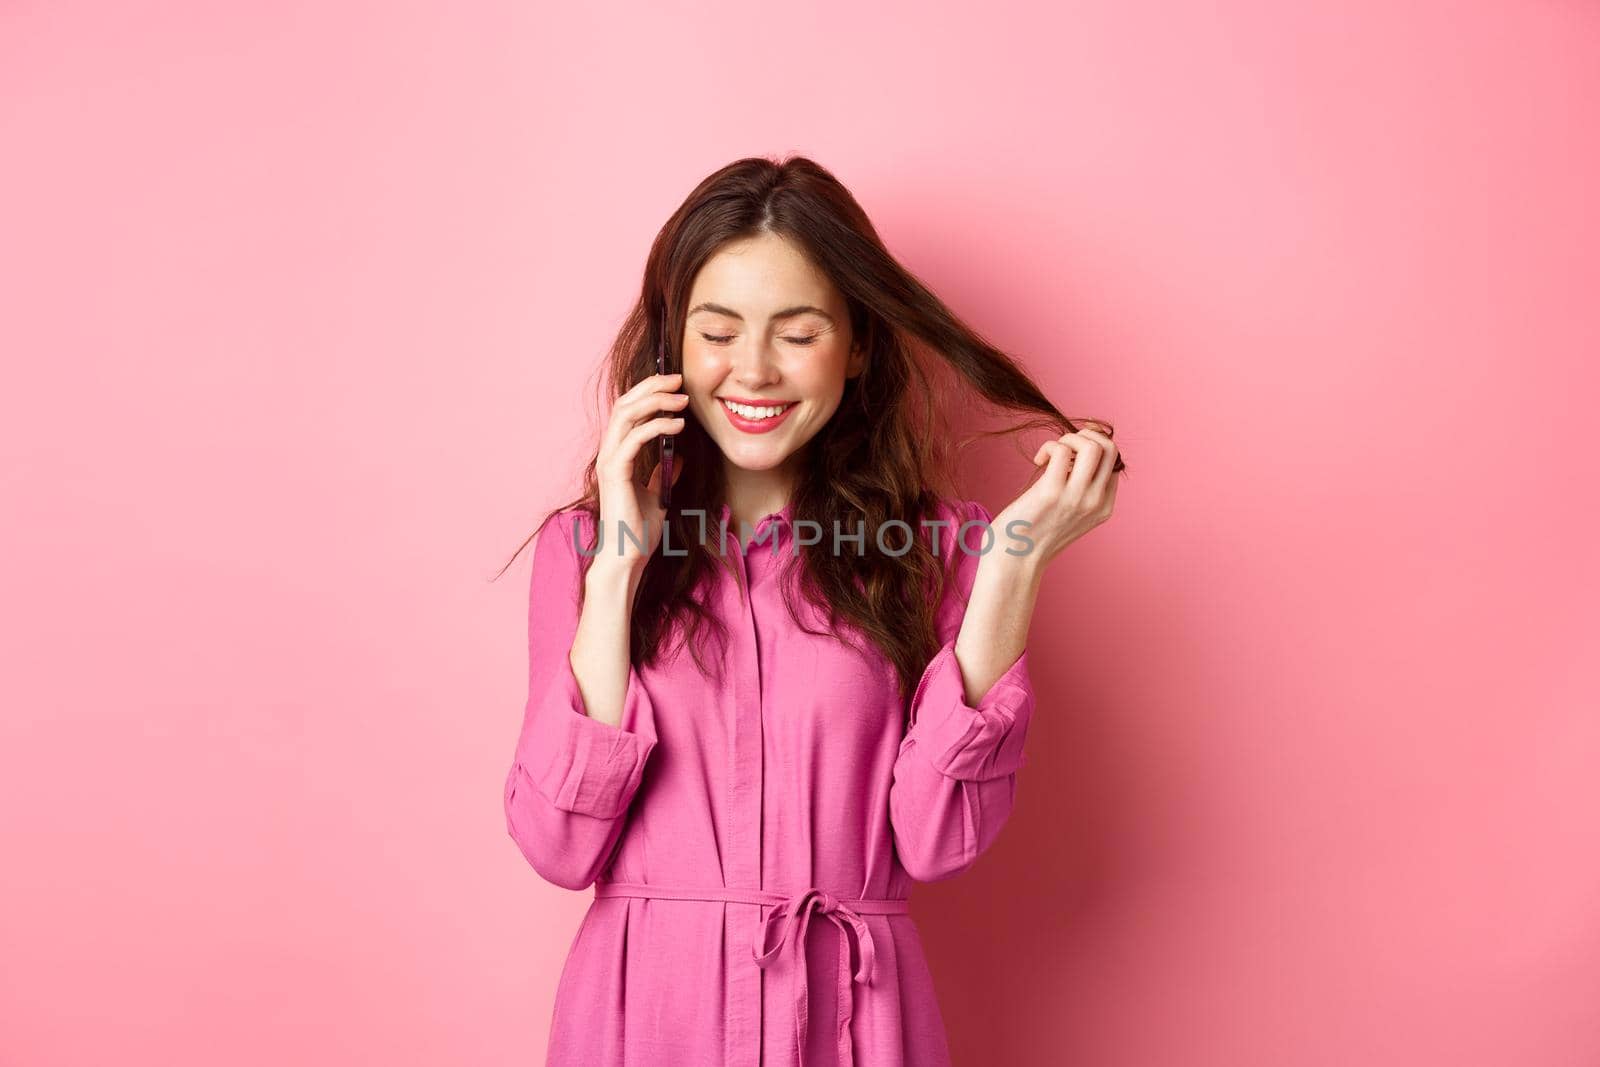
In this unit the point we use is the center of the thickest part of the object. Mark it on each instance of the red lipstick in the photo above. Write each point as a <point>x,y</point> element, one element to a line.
<point>749,425</point>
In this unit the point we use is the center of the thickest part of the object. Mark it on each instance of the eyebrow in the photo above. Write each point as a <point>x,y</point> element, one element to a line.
<point>786,313</point>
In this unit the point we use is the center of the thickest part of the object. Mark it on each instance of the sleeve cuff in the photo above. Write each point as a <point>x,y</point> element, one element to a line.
<point>580,764</point>
<point>966,742</point>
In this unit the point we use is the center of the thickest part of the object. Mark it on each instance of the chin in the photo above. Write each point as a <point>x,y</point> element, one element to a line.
<point>765,461</point>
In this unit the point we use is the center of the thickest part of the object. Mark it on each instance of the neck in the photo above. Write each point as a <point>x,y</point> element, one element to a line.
<point>752,495</point>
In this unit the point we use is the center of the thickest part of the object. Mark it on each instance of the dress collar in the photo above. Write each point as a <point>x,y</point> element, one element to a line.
<point>783,514</point>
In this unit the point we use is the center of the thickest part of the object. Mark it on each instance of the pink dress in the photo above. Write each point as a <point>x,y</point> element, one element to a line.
<point>752,844</point>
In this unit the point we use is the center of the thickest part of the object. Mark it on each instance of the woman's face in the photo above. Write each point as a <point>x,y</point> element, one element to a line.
<point>768,330</point>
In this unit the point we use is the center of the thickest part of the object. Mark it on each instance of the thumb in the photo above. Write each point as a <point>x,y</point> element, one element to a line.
<point>654,482</point>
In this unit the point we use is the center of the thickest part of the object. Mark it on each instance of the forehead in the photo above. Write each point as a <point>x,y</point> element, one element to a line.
<point>757,274</point>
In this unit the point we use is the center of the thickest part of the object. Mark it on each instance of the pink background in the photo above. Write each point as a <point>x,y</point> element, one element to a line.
<point>299,303</point>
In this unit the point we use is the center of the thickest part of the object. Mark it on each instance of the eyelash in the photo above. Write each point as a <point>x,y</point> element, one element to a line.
<point>722,339</point>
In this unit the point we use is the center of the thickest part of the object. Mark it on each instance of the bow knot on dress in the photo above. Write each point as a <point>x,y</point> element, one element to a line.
<point>795,914</point>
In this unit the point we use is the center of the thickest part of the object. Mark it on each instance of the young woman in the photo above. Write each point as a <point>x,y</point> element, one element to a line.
<point>756,717</point>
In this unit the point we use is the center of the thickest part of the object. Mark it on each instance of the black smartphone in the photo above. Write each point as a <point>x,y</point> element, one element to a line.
<point>666,439</point>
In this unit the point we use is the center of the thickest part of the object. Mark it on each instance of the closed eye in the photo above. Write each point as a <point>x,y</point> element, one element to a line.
<point>722,339</point>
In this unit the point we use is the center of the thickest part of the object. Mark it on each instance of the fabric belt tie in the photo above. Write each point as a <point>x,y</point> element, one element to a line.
<point>794,911</point>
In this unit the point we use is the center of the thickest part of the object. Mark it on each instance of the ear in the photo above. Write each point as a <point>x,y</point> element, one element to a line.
<point>857,361</point>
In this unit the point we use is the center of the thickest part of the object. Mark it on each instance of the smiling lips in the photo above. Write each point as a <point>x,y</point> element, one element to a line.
<point>755,417</point>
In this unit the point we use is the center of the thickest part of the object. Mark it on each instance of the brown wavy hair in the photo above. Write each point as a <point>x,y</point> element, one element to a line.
<point>886,452</point>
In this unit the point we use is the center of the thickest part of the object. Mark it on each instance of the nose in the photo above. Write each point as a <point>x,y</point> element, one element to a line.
<point>754,365</point>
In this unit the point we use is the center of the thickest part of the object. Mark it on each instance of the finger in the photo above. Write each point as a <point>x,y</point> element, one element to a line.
<point>640,436</point>
<point>626,414</point>
<point>1084,464</point>
<point>651,383</point>
<point>622,457</point>
<point>653,483</point>
<point>1058,460</point>
<point>655,385</point>
<point>648,403</point>
<point>1108,459</point>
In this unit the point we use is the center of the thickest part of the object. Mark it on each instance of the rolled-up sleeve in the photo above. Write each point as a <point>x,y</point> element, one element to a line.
<point>955,776</point>
<point>572,778</point>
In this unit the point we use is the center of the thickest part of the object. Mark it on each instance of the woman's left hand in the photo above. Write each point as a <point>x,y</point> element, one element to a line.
<point>1075,493</point>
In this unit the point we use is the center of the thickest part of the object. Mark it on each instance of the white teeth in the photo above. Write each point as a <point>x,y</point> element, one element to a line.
<point>755,413</point>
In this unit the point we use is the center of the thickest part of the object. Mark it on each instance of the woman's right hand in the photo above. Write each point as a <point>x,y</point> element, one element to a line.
<point>636,420</point>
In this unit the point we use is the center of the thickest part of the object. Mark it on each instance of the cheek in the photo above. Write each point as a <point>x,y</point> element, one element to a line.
<point>703,374</point>
<point>701,371</point>
<point>823,377</point>
<point>702,361</point>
